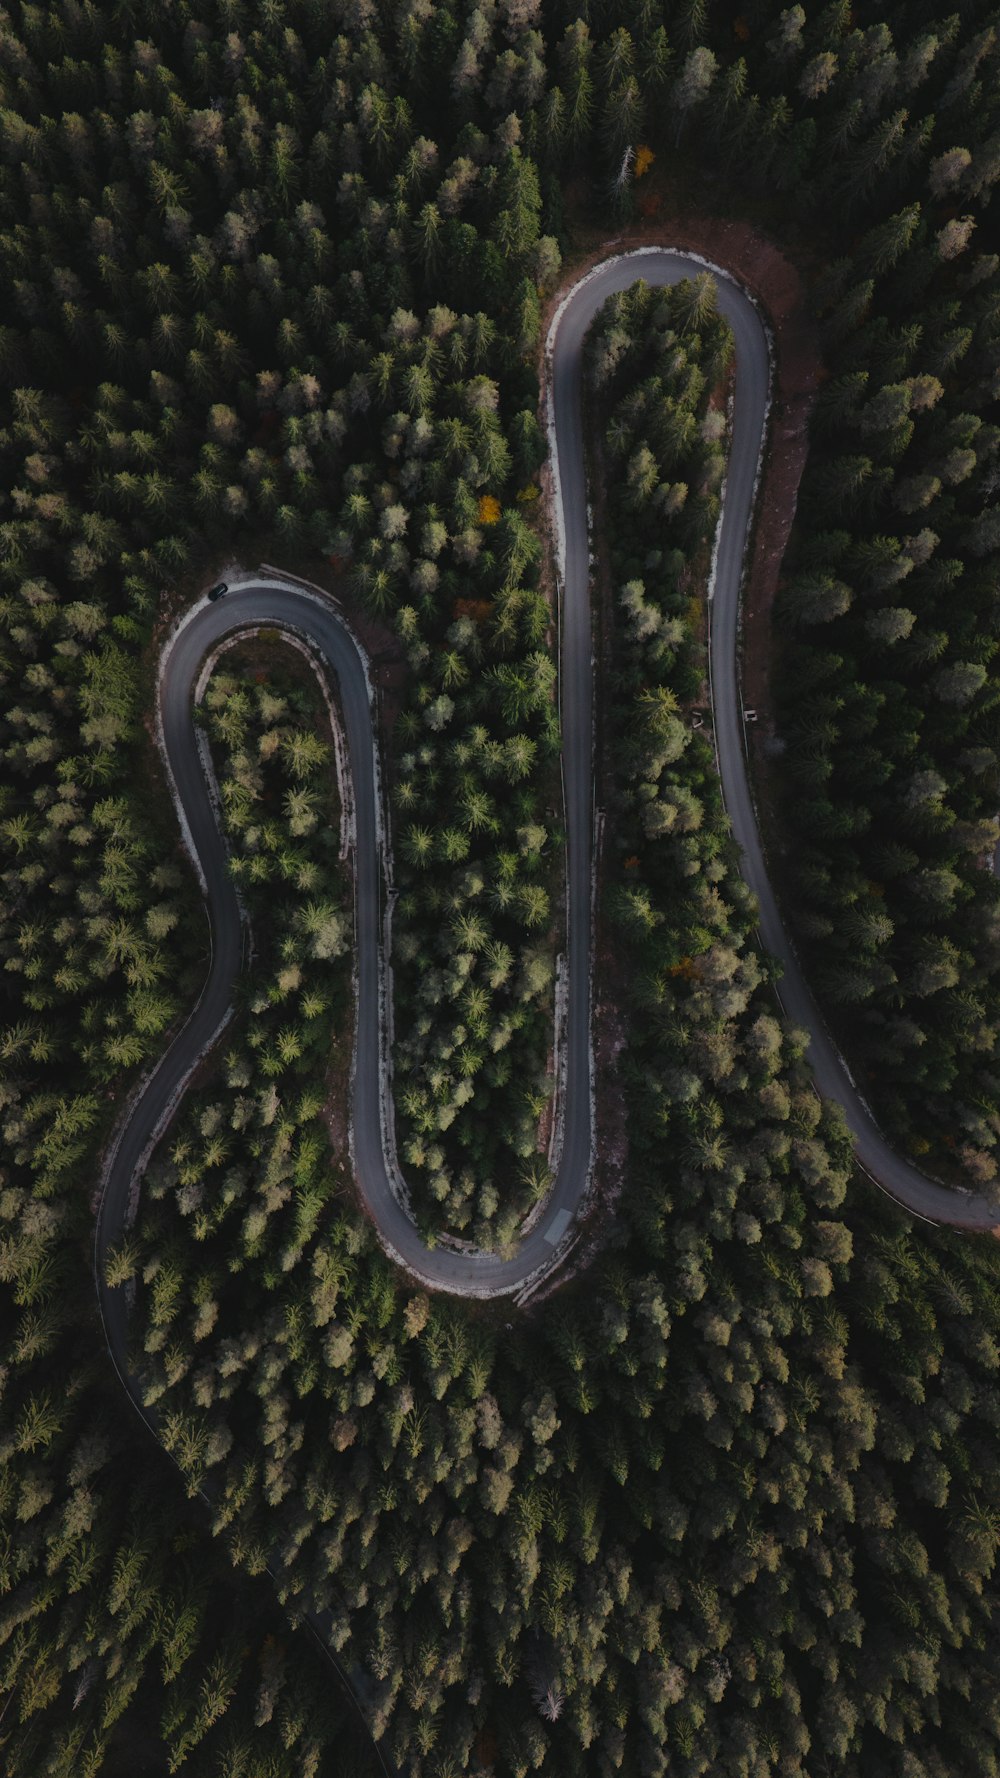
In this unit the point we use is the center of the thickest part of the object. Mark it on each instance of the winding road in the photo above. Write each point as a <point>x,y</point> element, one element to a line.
<point>311,618</point>
<point>270,600</point>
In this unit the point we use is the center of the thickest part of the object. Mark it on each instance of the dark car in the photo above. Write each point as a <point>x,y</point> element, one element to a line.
<point>217,591</point>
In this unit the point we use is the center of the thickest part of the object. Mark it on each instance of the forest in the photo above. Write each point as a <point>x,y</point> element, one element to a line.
<point>725,1498</point>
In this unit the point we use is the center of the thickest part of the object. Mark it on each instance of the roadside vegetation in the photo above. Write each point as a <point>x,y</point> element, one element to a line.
<point>887,683</point>
<point>730,1502</point>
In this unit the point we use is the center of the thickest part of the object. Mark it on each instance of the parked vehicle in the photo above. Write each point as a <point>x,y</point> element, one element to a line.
<point>217,591</point>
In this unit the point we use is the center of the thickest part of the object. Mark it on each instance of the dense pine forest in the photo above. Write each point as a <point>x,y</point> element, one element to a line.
<point>725,1498</point>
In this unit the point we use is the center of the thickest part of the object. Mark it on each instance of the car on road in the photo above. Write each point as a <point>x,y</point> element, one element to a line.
<point>217,591</point>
